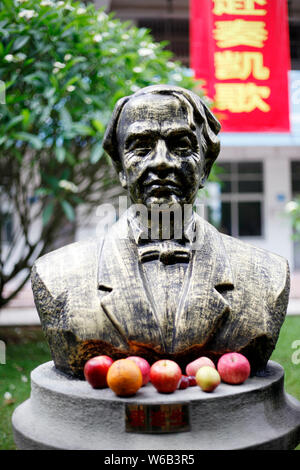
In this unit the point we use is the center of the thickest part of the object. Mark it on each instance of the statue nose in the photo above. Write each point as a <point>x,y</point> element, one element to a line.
<point>162,158</point>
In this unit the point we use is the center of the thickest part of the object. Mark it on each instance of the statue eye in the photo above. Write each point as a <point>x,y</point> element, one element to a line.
<point>184,142</point>
<point>181,145</point>
<point>142,151</point>
<point>141,147</point>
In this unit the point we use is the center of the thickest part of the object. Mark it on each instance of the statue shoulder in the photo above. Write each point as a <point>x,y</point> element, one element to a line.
<point>248,260</point>
<point>55,268</point>
<point>272,269</point>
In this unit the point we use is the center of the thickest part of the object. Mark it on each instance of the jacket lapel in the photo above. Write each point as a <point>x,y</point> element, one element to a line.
<point>204,303</point>
<point>123,296</point>
<point>125,300</point>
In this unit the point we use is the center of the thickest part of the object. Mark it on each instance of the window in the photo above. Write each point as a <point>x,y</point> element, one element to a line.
<point>295,170</point>
<point>175,31</point>
<point>241,199</point>
<point>295,43</point>
<point>295,173</point>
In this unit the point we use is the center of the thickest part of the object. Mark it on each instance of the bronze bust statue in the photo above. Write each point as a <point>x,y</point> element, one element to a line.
<point>196,291</point>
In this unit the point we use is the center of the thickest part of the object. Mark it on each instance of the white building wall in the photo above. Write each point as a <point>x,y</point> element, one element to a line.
<point>277,194</point>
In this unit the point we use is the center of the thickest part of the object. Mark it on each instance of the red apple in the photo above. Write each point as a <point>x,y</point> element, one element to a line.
<point>184,382</point>
<point>144,366</point>
<point>234,368</point>
<point>192,367</point>
<point>192,380</point>
<point>95,370</point>
<point>165,375</point>
<point>208,378</point>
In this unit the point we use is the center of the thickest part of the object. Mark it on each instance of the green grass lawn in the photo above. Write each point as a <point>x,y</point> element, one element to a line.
<point>283,353</point>
<point>26,349</point>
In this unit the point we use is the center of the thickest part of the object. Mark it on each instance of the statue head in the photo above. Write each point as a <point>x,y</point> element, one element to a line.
<point>163,142</point>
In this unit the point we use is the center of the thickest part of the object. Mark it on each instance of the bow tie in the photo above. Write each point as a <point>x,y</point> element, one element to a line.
<point>166,252</point>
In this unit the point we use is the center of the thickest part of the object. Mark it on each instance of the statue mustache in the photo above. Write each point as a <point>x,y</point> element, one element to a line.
<point>150,176</point>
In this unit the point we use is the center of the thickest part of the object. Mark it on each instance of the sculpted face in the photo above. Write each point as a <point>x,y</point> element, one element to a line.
<point>159,145</point>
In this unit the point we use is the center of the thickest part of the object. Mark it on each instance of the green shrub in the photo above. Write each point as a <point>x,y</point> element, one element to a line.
<point>64,66</point>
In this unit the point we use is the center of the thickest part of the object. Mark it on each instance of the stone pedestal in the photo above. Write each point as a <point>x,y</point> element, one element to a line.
<point>64,413</point>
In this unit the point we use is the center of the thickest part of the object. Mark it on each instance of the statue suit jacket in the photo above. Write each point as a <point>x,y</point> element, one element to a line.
<point>92,299</point>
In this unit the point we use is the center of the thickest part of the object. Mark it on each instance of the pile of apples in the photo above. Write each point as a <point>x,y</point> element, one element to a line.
<point>126,376</point>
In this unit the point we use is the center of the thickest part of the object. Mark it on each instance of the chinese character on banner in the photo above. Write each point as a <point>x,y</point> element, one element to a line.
<point>239,7</point>
<point>240,50</point>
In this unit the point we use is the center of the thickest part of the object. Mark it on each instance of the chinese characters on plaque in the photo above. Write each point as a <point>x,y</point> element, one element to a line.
<point>173,417</point>
<point>240,49</point>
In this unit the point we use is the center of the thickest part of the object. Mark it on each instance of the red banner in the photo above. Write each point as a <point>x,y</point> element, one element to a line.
<point>240,49</point>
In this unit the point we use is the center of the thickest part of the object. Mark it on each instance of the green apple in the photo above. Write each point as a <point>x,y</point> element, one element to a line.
<point>208,378</point>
